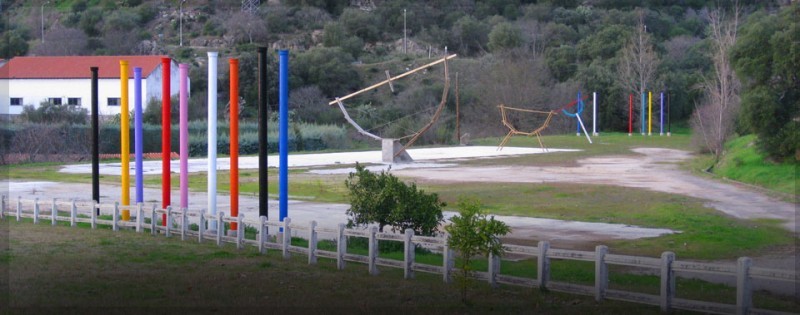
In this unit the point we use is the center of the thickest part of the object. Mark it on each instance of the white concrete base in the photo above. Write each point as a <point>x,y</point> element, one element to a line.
<point>390,147</point>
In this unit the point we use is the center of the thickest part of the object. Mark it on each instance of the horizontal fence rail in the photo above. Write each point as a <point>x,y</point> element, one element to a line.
<point>178,223</point>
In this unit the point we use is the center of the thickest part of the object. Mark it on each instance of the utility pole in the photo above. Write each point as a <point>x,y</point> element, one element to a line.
<point>405,45</point>
<point>181,20</point>
<point>42,12</point>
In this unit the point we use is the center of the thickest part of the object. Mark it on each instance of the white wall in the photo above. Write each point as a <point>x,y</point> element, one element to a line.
<point>34,91</point>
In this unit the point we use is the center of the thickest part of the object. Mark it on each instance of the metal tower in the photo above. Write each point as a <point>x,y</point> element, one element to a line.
<point>250,6</point>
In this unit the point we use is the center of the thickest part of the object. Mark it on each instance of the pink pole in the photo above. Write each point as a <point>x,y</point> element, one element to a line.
<point>184,126</point>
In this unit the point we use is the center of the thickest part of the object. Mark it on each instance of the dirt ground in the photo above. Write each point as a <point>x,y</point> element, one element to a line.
<point>654,169</point>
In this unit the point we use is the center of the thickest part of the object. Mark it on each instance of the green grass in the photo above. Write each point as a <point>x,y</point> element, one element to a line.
<point>69,267</point>
<point>61,267</point>
<point>743,162</point>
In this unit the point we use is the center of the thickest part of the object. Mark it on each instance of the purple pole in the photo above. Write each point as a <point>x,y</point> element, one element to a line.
<point>662,115</point>
<point>138,133</point>
<point>184,126</point>
<point>283,141</point>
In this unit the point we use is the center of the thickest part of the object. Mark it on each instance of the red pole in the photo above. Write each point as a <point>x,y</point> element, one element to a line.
<point>630,114</point>
<point>234,116</point>
<point>165,136</point>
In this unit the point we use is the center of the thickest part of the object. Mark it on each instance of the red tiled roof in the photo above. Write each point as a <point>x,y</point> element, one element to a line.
<point>75,67</point>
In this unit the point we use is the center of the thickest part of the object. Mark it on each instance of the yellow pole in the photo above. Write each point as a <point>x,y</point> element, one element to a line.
<point>649,113</point>
<point>124,134</point>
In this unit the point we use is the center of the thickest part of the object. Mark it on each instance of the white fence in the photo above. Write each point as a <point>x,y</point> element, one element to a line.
<point>667,266</point>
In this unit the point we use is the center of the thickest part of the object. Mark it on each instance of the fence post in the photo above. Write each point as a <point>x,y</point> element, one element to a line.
<point>408,255</point>
<point>201,227</point>
<point>53,213</point>
<point>287,237</point>
<point>312,243</point>
<point>341,247</point>
<point>153,220</point>
<point>139,217</point>
<point>744,293</point>
<point>115,217</point>
<point>183,224</point>
<point>19,207</point>
<point>239,231</point>
<point>447,260</point>
<point>220,227</point>
<point>168,226</point>
<point>36,210</point>
<point>373,251</point>
<point>543,265</point>
<point>494,269</point>
<point>262,234</point>
<point>73,214</point>
<point>3,207</point>
<point>600,272</point>
<point>95,206</point>
<point>667,281</point>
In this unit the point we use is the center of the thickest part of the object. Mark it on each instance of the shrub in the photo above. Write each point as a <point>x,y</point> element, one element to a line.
<point>385,200</point>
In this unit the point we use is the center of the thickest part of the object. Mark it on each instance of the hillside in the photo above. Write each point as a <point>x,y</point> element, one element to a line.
<point>530,54</point>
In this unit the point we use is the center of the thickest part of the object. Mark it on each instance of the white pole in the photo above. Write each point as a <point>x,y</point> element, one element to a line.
<point>594,113</point>
<point>212,137</point>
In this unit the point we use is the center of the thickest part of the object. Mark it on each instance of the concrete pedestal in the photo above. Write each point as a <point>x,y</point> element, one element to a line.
<point>390,147</point>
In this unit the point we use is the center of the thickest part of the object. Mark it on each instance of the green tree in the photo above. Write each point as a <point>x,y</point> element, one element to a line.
<point>767,58</point>
<point>504,36</point>
<point>327,67</point>
<point>13,44</point>
<point>472,234</point>
<point>385,200</point>
<point>470,35</point>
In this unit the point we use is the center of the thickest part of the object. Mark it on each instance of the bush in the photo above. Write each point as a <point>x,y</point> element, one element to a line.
<point>385,200</point>
<point>48,113</point>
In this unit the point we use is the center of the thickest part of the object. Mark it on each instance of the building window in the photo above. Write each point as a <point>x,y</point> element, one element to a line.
<point>16,101</point>
<point>74,101</point>
<point>54,100</point>
<point>113,101</point>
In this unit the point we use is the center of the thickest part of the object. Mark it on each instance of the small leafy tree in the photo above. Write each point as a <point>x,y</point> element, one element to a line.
<point>385,200</point>
<point>472,234</point>
<point>48,113</point>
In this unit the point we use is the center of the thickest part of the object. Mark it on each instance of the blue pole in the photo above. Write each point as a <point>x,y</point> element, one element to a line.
<point>283,145</point>
<point>661,125</point>
<point>138,134</point>
<point>643,113</point>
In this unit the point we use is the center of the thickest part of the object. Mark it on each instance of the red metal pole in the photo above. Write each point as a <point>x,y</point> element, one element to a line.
<point>234,136</point>
<point>166,125</point>
<point>630,114</point>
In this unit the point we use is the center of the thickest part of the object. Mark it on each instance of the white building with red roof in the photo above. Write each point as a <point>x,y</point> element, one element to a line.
<point>66,80</point>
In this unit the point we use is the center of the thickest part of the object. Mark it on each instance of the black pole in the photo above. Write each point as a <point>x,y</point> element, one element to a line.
<point>95,140</point>
<point>262,133</point>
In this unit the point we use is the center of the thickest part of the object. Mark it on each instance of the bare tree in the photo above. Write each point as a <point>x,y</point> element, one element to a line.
<point>638,63</point>
<point>62,41</point>
<point>246,27</point>
<point>714,119</point>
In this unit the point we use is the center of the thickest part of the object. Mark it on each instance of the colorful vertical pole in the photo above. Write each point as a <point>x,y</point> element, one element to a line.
<point>661,112</point>
<point>125,140</point>
<point>166,137</point>
<point>650,113</point>
<point>594,113</point>
<point>263,118</point>
<point>630,114</point>
<point>283,99</point>
<point>95,139</point>
<point>138,133</point>
<point>669,121</point>
<point>234,135</point>
<point>184,133</point>
<point>212,137</point>
<point>643,114</point>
